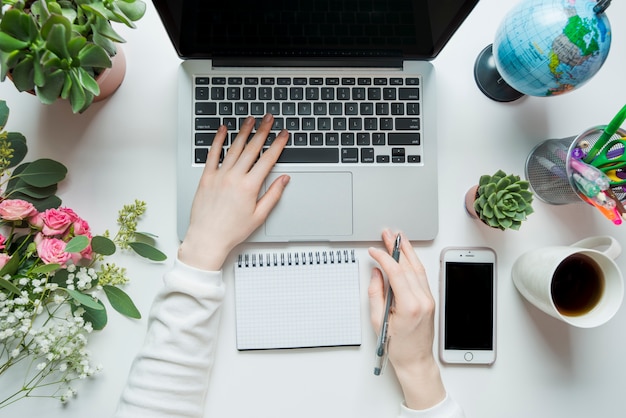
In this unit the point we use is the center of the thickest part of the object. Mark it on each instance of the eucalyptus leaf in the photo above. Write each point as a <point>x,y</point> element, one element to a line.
<point>77,244</point>
<point>43,172</point>
<point>49,202</point>
<point>85,300</point>
<point>148,251</point>
<point>102,245</point>
<point>46,268</point>
<point>34,192</point>
<point>11,266</point>
<point>121,302</point>
<point>7,285</point>
<point>60,277</point>
<point>97,317</point>
<point>4,114</point>
<point>19,147</point>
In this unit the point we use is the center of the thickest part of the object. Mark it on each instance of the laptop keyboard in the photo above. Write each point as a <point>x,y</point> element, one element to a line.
<point>336,120</point>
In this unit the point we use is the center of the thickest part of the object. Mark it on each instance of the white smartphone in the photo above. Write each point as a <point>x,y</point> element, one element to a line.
<point>467,316</point>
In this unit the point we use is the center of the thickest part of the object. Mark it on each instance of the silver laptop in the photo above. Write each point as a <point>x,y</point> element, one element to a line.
<point>351,81</point>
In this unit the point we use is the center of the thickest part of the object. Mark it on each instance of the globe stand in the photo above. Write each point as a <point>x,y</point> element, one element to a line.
<point>489,80</point>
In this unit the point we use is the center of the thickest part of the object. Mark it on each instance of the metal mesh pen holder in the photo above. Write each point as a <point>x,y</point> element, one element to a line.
<point>548,167</point>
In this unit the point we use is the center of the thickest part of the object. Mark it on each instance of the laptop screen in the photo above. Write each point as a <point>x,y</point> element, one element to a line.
<point>311,29</point>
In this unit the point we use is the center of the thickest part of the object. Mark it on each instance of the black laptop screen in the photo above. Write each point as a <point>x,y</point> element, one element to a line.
<point>311,29</point>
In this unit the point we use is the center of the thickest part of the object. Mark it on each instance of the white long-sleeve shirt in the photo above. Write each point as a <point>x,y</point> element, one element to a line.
<point>179,352</point>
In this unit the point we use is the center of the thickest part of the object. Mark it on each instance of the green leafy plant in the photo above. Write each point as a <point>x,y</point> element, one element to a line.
<point>503,200</point>
<point>54,276</point>
<point>57,48</point>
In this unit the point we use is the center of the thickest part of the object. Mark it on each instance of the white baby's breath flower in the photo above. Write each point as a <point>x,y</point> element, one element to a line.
<point>15,352</point>
<point>23,281</point>
<point>41,366</point>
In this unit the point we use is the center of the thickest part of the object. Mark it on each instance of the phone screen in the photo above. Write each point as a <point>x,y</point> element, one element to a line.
<point>469,306</point>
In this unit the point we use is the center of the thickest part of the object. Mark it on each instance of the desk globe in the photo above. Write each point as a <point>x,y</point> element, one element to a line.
<point>544,48</point>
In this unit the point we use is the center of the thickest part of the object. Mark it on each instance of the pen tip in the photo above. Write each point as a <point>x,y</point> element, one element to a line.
<point>377,371</point>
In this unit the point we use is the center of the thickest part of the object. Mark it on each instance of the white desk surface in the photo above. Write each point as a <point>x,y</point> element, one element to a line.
<point>124,148</point>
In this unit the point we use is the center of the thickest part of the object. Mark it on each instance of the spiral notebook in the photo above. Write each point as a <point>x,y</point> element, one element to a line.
<point>297,300</point>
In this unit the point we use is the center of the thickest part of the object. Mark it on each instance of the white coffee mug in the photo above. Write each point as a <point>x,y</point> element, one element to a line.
<point>578,284</point>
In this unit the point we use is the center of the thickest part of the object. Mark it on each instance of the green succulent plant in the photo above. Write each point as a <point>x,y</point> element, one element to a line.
<point>56,48</point>
<point>503,201</point>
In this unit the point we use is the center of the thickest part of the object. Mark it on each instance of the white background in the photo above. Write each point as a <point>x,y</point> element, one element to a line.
<point>124,148</point>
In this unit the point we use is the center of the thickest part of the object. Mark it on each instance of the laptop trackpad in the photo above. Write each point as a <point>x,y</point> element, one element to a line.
<point>313,204</point>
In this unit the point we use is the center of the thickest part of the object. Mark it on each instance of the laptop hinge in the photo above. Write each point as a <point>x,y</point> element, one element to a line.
<point>361,62</point>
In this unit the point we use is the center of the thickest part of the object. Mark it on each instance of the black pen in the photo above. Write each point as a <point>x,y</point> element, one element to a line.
<point>383,339</point>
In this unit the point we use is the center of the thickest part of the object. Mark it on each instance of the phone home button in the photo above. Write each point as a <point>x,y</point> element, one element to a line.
<point>468,356</point>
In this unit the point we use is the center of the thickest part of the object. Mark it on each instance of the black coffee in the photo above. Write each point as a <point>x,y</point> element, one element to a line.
<point>577,285</point>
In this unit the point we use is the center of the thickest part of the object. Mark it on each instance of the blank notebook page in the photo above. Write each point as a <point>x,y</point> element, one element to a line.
<point>296,300</point>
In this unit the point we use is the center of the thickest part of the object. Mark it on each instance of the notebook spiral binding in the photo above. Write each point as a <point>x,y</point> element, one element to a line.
<point>296,258</point>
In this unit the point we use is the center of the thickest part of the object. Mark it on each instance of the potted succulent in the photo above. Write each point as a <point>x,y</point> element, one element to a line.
<point>59,48</point>
<point>500,201</point>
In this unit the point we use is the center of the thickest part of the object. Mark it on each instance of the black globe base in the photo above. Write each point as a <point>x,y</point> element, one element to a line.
<point>489,80</point>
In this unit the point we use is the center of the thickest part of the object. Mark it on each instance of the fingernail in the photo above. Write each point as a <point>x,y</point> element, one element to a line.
<point>267,117</point>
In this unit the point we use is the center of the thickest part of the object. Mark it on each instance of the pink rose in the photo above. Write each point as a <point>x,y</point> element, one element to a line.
<point>16,209</point>
<point>52,251</point>
<point>55,222</point>
<point>4,259</point>
<point>3,241</point>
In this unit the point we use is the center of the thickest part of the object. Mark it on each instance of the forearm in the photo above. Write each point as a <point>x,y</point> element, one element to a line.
<point>169,377</point>
<point>421,384</point>
<point>424,393</point>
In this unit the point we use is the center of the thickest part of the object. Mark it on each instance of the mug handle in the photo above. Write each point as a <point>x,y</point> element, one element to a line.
<point>613,250</point>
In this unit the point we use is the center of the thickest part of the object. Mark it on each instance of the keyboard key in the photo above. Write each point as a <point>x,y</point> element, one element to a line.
<point>347,139</point>
<point>349,155</point>
<point>292,124</point>
<point>205,139</point>
<point>202,93</point>
<point>289,108</point>
<point>362,139</point>
<point>404,138</point>
<point>207,124</point>
<point>300,139</point>
<point>403,124</point>
<point>201,155</point>
<point>206,108</point>
<point>296,93</point>
<point>257,109</point>
<point>323,124</point>
<point>309,155</point>
<point>217,93</point>
<point>320,108</point>
<point>412,109</point>
<point>241,108</point>
<point>409,94</point>
<point>332,139</point>
<point>317,139</point>
<point>367,155</point>
<point>379,139</point>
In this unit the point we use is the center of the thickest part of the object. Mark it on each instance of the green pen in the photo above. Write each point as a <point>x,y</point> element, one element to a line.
<point>608,132</point>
